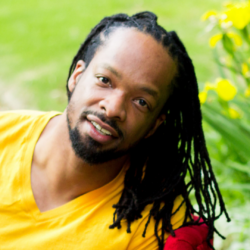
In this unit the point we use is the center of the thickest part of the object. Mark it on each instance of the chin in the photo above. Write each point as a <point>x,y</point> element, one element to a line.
<point>91,151</point>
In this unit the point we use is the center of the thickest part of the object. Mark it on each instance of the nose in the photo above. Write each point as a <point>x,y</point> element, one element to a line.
<point>114,106</point>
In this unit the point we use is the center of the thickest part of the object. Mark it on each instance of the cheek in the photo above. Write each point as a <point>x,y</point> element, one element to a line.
<point>137,129</point>
<point>143,127</point>
<point>86,94</point>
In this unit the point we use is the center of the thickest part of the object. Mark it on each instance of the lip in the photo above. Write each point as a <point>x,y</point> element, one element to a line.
<point>97,136</point>
<point>102,124</point>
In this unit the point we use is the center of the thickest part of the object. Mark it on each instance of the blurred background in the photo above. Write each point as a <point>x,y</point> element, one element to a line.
<point>38,40</point>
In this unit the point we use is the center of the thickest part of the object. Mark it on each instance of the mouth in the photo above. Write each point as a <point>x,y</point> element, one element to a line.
<point>101,130</point>
<point>101,127</point>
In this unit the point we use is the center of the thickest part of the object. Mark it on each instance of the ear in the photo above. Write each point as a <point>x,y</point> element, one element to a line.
<point>157,123</point>
<point>80,66</point>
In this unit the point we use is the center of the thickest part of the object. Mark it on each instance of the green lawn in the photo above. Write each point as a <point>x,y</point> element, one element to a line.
<point>38,40</point>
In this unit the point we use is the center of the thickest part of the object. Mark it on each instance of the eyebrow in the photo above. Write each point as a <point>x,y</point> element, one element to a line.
<point>111,69</point>
<point>150,91</point>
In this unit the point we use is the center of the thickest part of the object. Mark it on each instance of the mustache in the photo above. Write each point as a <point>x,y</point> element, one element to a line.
<point>111,122</point>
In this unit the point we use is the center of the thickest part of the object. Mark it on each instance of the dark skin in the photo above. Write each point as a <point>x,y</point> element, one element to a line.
<point>126,81</point>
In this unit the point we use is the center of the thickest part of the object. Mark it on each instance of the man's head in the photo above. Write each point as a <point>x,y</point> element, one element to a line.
<point>126,84</point>
<point>140,66</point>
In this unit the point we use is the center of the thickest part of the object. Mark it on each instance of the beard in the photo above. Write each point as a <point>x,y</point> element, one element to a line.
<point>90,150</point>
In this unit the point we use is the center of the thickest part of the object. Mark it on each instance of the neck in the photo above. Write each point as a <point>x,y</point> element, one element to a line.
<point>58,175</point>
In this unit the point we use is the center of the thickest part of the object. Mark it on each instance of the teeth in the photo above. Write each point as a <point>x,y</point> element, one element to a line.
<point>105,131</point>
<point>100,129</point>
<point>96,125</point>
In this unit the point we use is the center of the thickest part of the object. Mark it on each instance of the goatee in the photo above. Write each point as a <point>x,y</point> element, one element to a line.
<point>87,148</point>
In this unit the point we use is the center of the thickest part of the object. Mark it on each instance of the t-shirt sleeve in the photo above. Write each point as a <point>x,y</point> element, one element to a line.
<point>150,241</point>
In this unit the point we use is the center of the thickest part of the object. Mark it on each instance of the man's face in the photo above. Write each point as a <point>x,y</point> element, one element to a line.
<point>116,101</point>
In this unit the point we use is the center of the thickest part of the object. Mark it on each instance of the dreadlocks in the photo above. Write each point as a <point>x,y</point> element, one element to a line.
<point>160,164</point>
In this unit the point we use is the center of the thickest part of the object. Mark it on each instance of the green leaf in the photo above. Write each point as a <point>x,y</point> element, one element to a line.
<point>235,186</point>
<point>231,130</point>
<point>228,44</point>
<point>239,166</point>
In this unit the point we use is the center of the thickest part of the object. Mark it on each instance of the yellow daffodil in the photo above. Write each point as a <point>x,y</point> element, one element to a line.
<point>245,69</point>
<point>234,114</point>
<point>203,96</point>
<point>247,92</point>
<point>238,14</point>
<point>215,39</point>
<point>209,14</point>
<point>235,37</point>
<point>225,89</point>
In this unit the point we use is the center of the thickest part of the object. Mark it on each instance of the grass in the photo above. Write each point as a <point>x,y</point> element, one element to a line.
<point>38,40</point>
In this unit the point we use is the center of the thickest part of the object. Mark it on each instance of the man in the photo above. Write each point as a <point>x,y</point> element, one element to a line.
<point>131,132</point>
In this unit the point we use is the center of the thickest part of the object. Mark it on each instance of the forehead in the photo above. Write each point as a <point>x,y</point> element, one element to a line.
<point>138,56</point>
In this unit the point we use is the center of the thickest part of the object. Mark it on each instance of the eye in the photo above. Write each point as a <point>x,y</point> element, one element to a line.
<point>104,80</point>
<point>142,103</point>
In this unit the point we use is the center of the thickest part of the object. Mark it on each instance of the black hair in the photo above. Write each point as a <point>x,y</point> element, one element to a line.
<point>160,164</point>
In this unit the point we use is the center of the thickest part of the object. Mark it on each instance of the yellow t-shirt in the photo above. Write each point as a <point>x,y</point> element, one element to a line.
<point>82,223</point>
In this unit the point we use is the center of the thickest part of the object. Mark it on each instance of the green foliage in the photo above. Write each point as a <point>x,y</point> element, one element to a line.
<point>226,106</point>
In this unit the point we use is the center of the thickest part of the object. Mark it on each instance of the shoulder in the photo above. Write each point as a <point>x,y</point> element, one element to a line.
<point>12,118</point>
<point>16,124</point>
<point>24,114</point>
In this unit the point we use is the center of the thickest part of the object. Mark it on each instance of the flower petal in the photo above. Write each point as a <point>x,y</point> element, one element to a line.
<point>239,14</point>
<point>236,38</point>
<point>234,114</point>
<point>208,14</point>
<point>203,96</point>
<point>214,40</point>
<point>247,92</point>
<point>225,89</point>
<point>245,69</point>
